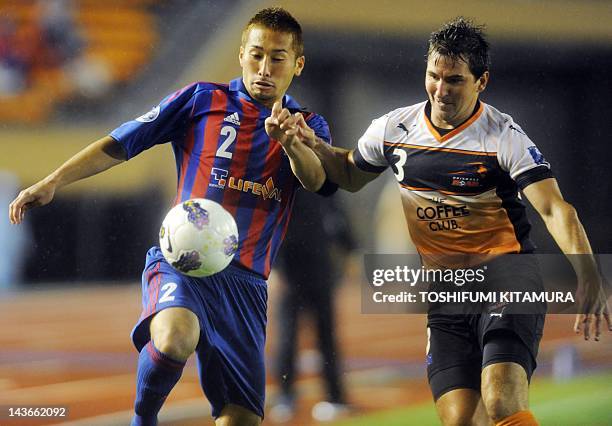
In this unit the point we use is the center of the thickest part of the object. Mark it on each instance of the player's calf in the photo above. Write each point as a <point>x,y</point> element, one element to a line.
<point>235,415</point>
<point>175,332</point>
<point>174,337</point>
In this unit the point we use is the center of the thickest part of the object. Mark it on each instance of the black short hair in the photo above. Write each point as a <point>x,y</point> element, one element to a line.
<point>462,39</point>
<point>277,19</point>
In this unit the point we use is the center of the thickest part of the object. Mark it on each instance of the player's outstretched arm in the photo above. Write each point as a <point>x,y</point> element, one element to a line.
<point>306,166</point>
<point>338,163</point>
<point>563,223</point>
<point>95,158</point>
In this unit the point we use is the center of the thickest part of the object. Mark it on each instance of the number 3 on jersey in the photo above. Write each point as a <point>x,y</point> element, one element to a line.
<point>399,166</point>
<point>230,134</point>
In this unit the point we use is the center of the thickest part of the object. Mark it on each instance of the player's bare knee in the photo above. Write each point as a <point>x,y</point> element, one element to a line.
<point>458,417</point>
<point>235,415</point>
<point>458,408</point>
<point>175,332</point>
<point>505,389</point>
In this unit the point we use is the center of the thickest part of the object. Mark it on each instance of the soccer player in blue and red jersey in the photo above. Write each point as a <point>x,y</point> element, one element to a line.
<point>235,144</point>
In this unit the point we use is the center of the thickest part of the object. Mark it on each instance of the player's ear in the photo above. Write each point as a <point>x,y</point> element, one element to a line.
<point>482,81</point>
<point>241,54</point>
<point>299,65</point>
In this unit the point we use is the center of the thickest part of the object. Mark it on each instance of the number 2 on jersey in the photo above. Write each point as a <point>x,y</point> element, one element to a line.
<point>169,289</point>
<point>222,151</point>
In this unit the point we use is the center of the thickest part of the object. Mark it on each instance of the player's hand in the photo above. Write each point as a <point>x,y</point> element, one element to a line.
<point>593,308</point>
<point>281,125</point>
<point>304,133</point>
<point>36,195</point>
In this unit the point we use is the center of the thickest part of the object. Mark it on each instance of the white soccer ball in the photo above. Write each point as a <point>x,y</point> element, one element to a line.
<point>198,237</point>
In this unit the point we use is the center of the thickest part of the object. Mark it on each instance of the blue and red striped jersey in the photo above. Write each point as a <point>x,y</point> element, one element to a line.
<point>223,153</point>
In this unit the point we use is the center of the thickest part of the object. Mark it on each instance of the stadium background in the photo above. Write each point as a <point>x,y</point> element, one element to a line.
<point>69,276</point>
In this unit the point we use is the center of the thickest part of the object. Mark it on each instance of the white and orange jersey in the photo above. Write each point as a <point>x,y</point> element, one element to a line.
<point>459,191</point>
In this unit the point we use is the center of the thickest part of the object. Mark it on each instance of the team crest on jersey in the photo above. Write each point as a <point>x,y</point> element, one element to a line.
<point>219,179</point>
<point>196,214</point>
<point>537,156</point>
<point>149,116</point>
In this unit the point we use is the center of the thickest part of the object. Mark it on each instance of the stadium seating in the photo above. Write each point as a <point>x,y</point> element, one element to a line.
<point>119,38</point>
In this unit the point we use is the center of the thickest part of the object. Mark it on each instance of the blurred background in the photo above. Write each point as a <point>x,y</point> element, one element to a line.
<point>73,70</point>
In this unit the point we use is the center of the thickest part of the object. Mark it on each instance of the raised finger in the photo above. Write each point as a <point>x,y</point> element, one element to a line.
<point>276,108</point>
<point>588,319</point>
<point>283,115</point>
<point>606,316</point>
<point>577,323</point>
<point>299,119</point>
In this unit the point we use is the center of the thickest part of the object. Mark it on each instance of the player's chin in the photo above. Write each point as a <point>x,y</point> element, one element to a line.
<point>445,109</point>
<point>264,96</point>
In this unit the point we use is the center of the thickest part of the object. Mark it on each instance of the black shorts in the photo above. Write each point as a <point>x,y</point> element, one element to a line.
<point>460,346</point>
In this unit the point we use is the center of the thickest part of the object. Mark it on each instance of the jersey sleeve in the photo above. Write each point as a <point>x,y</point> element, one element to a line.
<point>520,157</point>
<point>164,123</point>
<point>320,127</point>
<point>370,155</point>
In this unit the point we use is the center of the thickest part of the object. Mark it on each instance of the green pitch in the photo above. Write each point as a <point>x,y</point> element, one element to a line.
<point>583,401</point>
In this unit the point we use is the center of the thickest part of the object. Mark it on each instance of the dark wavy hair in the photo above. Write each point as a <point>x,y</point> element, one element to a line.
<point>461,39</point>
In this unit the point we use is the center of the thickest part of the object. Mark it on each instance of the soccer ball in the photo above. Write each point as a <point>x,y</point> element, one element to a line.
<point>198,237</point>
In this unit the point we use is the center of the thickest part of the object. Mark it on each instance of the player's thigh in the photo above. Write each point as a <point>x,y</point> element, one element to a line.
<point>235,415</point>
<point>453,355</point>
<point>511,337</point>
<point>171,308</point>
<point>462,407</point>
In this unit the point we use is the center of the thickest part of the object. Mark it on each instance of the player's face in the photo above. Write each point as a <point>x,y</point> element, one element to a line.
<point>268,64</point>
<point>452,89</point>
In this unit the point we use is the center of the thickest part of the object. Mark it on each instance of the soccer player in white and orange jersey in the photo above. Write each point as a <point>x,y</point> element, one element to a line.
<point>460,164</point>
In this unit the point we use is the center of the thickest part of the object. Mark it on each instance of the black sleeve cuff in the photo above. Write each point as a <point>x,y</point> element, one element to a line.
<point>532,176</point>
<point>364,165</point>
<point>328,188</point>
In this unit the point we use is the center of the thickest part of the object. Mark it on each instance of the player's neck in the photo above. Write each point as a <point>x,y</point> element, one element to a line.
<point>456,121</point>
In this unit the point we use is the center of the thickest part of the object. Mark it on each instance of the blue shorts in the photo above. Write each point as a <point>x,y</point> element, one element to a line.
<point>231,308</point>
